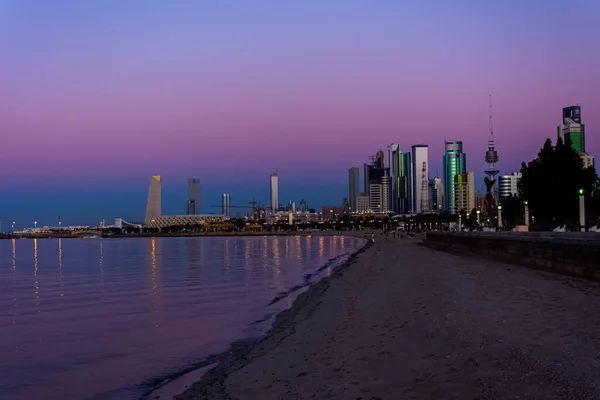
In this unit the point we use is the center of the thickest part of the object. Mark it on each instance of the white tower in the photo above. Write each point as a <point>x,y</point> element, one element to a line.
<point>274,192</point>
<point>153,206</point>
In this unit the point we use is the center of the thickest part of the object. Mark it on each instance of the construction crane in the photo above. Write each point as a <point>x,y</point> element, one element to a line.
<point>254,205</point>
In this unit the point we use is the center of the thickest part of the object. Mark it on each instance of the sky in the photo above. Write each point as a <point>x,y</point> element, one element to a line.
<point>98,95</point>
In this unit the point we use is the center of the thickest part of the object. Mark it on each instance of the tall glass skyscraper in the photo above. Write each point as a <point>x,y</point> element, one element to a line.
<point>401,180</point>
<point>420,179</point>
<point>153,206</point>
<point>274,192</point>
<point>572,128</point>
<point>193,203</point>
<point>353,177</point>
<point>405,192</point>
<point>455,163</point>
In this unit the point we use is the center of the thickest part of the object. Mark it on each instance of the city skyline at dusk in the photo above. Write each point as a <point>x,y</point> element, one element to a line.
<point>98,96</point>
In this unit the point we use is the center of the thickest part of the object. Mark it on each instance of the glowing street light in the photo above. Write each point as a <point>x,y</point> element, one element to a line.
<point>582,210</point>
<point>499,216</point>
<point>35,224</point>
<point>526,203</point>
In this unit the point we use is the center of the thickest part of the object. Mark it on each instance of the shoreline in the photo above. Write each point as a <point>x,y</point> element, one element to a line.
<point>207,234</point>
<point>174,385</point>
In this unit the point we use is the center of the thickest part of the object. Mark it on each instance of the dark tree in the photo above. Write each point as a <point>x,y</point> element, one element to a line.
<point>513,211</point>
<point>551,184</point>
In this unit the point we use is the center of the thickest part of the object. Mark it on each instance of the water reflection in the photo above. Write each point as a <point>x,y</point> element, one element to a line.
<point>102,269</point>
<point>227,256</point>
<point>298,248</point>
<point>276,255</point>
<point>153,319</point>
<point>60,264</point>
<point>321,246</point>
<point>155,278</point>
<point>14,273</point>
<point>36,283</point>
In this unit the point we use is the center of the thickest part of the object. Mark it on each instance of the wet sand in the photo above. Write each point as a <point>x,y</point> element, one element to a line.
<point>402,321</point>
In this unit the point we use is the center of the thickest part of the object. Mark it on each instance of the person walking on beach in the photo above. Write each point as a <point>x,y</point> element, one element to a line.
<point>373,237</point>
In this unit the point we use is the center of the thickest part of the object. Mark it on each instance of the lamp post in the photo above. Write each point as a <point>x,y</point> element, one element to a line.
<point>13,227</point>
<point>459,222</point>
<point>34,224</point>
<point>478,213</point>
<point>499,216</point>
<point>582,210</point>
<point>526,203</point>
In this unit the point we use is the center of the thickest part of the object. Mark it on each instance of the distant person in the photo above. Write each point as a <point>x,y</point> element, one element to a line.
<point>373,237</point>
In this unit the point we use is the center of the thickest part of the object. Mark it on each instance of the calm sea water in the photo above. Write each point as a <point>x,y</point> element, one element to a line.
<point>109,318</point>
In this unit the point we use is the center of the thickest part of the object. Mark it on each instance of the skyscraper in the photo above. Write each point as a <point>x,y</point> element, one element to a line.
<point>394,162</point>
<point>225,205</point>
<point>464,191</point>
<point>572,129</point>
<point>420,180</point>
<point>153,206</point>
<point>193,203</point>
<point>353,177</point>
<point>455,163</point>
<point>405,184</point>
<point>436,191</point>
<point>375,197</point>
<point>386,194</point>
<point>507,185</point>
<point>274,192</point>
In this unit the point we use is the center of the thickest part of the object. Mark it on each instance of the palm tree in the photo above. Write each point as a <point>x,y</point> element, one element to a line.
<point>489,203</point>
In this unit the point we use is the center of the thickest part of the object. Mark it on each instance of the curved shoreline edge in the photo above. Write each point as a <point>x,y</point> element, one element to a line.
<point>211,385</point>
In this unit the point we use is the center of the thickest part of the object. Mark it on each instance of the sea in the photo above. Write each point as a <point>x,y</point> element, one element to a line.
<point>115,318</point>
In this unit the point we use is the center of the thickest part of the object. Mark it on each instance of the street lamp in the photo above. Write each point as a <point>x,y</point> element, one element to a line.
<point>478,213</point>
<point>499,216</point>
<point>13,227</point>
<point>35,224</point>
<point>582,210</point>
<point>526,203</point>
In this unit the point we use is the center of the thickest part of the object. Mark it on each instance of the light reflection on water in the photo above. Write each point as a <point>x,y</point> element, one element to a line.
<point>96,318</point>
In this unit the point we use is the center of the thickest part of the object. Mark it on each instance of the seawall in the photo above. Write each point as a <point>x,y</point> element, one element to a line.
<point>571,253</point>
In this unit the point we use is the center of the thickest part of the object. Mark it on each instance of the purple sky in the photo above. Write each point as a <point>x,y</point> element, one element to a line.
<point>97,95</point>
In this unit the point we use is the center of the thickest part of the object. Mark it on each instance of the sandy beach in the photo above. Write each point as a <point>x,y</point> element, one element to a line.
<point>402,321</point>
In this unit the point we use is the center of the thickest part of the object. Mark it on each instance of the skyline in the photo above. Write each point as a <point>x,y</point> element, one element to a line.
<point>95,104</point>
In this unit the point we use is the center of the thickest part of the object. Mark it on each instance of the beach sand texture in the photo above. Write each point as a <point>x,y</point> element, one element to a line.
<point>402,321</point>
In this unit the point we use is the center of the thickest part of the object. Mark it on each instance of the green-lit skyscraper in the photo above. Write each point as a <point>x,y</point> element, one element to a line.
<point>455,163</point>
<point>572,129</point>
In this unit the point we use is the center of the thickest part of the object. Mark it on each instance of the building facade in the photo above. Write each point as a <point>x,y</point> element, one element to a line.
<point>225,205</point>
<point>353,187</point>
<point>464,192</point>
<point>331,213</point>
<point>405,186</point>
<point>420,178</point>
<point>193,202</point>
<point>507,185</point>
<point>274,192</point>
<point>572,128</point>
<point>436,190</point>
<point>165,221</point>
<point>375,197</point>
<point>154,203</point>
<point>588,160</point>
<point>386,194</point>
<point>454,163</point>
<point>363,204</point>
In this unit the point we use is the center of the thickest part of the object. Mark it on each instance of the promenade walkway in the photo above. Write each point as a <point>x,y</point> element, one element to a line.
<point>407,322</point>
